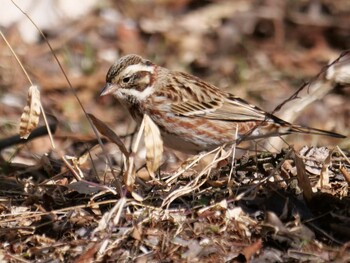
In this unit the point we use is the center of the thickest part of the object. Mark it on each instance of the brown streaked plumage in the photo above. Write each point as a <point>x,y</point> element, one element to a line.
<point>192,115</point>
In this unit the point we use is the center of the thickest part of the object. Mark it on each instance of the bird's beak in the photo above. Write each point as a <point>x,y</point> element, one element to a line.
<point>107,89</point>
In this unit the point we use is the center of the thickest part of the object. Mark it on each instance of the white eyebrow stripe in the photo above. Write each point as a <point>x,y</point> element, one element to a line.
<point>139,95</point>
<point>137,67</point>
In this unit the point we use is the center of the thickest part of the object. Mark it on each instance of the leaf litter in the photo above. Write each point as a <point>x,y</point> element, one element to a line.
<point>87,203</point>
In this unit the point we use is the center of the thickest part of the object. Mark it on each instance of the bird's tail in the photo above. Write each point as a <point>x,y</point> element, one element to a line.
<point>283,128</point>
<point>274,126</point>
<point>308,130</point>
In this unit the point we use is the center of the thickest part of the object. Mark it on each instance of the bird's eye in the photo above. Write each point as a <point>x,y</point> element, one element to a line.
<point>126,79</point>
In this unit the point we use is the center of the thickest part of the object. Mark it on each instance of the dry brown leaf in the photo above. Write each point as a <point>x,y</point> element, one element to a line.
<point>253,249</point>
<point>345,173</point>
<point>31,113</point>
<point>137,232</point>
<point>85,187</point>
<point>89,254</point>
<point>154,145</point>
<point>303,179</point>
<point>324,175</point>
<point>137,197</point>
<point>129,175</point>
<point>106,131</point>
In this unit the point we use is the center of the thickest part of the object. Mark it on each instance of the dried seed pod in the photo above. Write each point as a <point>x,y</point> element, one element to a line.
<point>154,145</point>
<point>31,113</point>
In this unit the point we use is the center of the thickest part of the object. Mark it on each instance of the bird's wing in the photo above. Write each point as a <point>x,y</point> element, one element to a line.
<point>227,108</point>
<point>236,109</point>
<point>196,98</point>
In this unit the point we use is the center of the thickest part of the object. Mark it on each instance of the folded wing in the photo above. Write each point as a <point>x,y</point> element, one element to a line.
<point>226,108</point>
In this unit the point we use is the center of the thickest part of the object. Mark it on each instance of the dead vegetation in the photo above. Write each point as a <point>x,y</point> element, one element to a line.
<point>65,198</point>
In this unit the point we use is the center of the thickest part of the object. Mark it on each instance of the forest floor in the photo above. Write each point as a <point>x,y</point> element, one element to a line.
<point>66,198</point>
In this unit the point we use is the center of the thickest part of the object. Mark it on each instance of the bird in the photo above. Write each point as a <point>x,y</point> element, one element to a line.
<point>192,115</point>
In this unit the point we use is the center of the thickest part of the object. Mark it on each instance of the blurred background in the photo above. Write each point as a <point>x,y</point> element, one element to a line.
<point>260,50</point>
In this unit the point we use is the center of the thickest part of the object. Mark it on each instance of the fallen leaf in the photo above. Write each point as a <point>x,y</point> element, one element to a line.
<point>109,133</point>
<point>154,145</point>
<point>303,179</point>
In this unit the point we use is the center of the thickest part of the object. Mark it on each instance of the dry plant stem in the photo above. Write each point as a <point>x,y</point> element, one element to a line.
<point>31,83</point>
<point>120,206</point>
<point>99,194</point>
<point>240,196</point>
<point>106,218</point>
<point>130,174</point>
<point>233,149</point>
<point>343,169</point>
<point>16,57</point>
<point>194,185</point>
<point>130,177</point>
<point>342,153</point>
<point>181,171</point>
<point>119,187</point>
<point>103,248</point>
<point>320,230</point>
<point>71,168</point>
<point>16,258</point>
<point>196,160</point>
<point>14,217</point>
<point>313,92</point>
